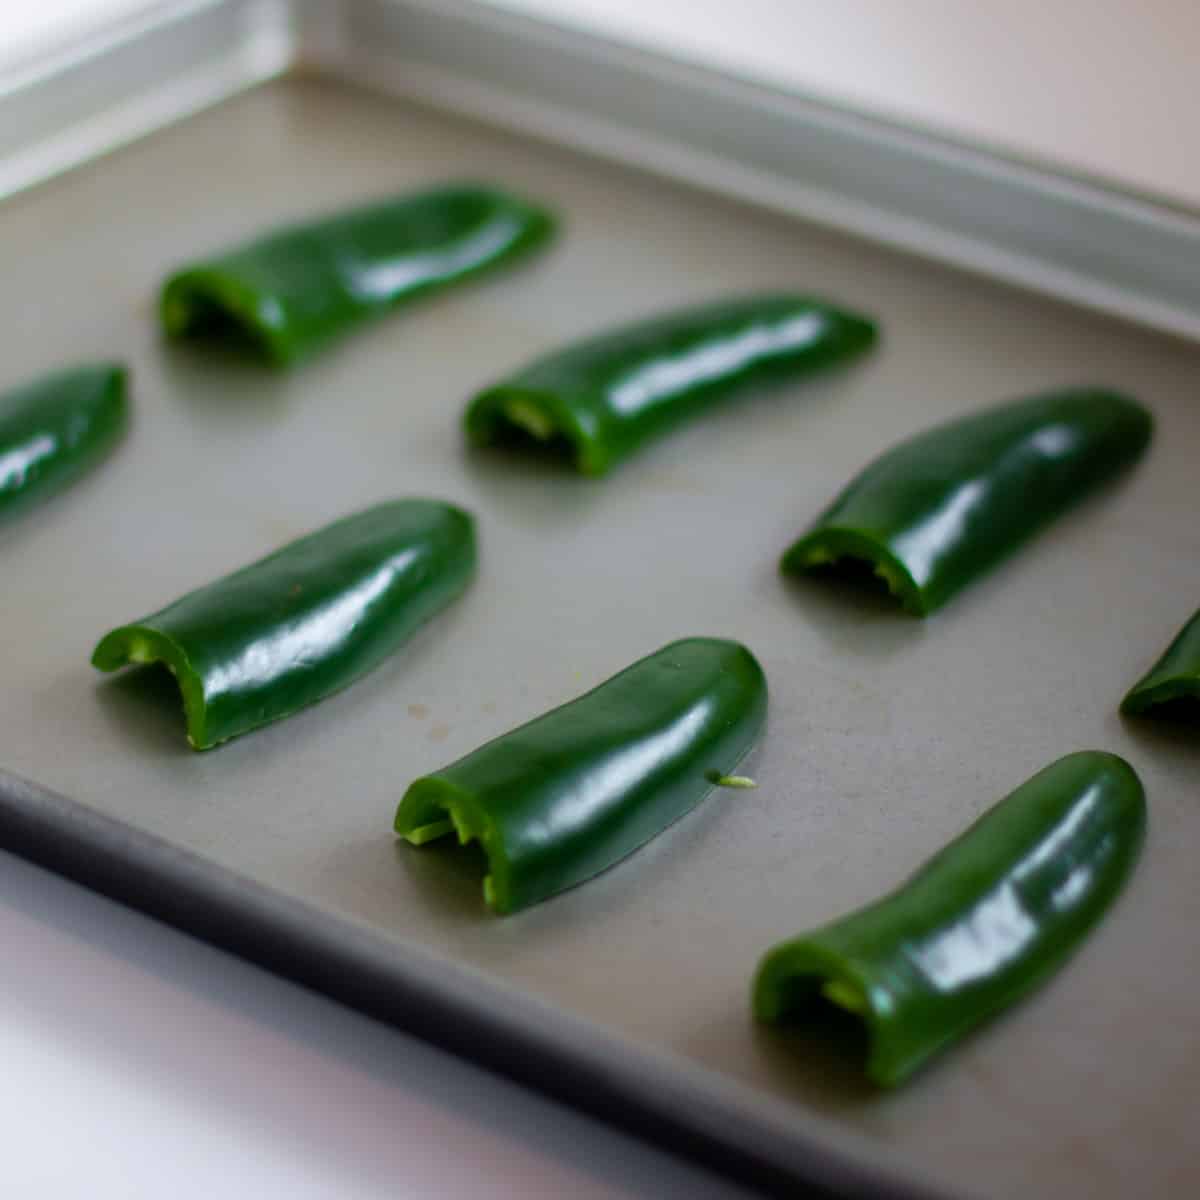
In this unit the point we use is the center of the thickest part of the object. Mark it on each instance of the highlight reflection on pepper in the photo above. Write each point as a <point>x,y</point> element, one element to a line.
<point>646,385</point>
<point>624,768</point>
<point>570,793</point>
<point>17,462</point>
<point>308,635</point>
<point>980,924</point>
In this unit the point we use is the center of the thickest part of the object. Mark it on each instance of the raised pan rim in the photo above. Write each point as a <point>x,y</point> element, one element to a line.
<point>655,1096</point>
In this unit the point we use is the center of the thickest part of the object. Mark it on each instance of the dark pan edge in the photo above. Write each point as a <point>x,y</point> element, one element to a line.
<point>459,1011</point>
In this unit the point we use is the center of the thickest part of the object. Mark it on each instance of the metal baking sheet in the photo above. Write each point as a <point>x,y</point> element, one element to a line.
<point>886,735</point>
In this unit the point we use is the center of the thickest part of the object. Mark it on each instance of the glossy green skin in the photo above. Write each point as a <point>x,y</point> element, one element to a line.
<point>937,511</point>
<point>305,621</point>
<point>55,429</point>
<point>605,397</point>
<point>568,794</point>
<point>290,292</point>
<point>983,922</point>
<point>1176,676</point>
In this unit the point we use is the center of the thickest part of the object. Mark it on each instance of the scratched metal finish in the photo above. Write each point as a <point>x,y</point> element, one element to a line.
<point>886,735</point>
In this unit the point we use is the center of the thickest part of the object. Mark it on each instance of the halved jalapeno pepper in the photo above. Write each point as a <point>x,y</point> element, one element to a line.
<point>570,793</point>
<point>600,399</point>
<point>289,292</point>
<point>303,622</point>
<point>935,512</point>
<point>983,922</point>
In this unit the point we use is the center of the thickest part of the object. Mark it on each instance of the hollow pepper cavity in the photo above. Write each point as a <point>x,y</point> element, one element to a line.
<point>599,400</point>
<point>561,798</point>
<point>287,293</point>
<point>983,922</point>
<point>303,622</point>
<point>56,428</point>
<point>932,514</point>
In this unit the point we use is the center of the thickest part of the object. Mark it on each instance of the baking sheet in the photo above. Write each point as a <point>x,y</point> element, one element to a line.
<point>886,736</point>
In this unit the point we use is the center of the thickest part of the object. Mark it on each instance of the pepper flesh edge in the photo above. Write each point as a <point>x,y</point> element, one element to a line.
<point>189,294</point>
<point>828,546</point>
<point>500,407</point>
<point>140,645</point>
<point>418,821</point>
<point>1141,698</point>
<point>807,960</point>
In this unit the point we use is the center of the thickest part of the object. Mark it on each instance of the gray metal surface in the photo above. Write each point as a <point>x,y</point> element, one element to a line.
<point>886,736</point>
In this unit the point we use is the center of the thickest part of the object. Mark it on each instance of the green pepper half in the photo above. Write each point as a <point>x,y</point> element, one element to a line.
<point>599,400</point>
<point>935,512</point>
<point>568,794</point>
<point>304,622</point>
<point>56,428</point>
<point>983,922</point>
<point>288,293</point>
<point>1175,677</point>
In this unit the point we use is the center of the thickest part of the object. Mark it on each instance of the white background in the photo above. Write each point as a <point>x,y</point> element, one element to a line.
<point>139,1063</point>
<point>28,26</point>
<point>1106,87</point>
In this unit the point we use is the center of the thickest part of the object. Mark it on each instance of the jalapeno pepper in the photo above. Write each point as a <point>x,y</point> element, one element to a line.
<point>600,399</point>
<point>288,293</point>
<point>935,512</point>
<point>570,793</point>
<point>1175,677</point>
<point>54,429</point>
<point>983,922</point>
<point>303,622</point>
